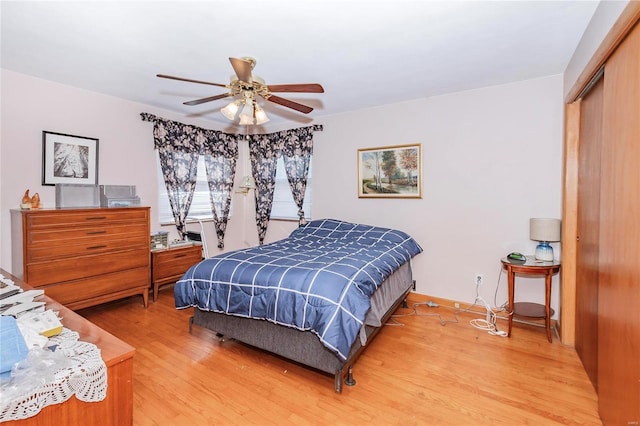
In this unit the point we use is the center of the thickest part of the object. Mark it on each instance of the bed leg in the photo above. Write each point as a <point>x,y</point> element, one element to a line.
<point>404,303</point>
<point>338,381</point>
<point>349,381</point>
<point>190,324</point>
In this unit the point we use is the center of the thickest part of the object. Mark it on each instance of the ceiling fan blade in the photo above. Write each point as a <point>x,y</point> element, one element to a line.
<point>300,88</point>
<point>242,69</point>
<point>190,80</point>
<point>209,99</point>
<point>290,104</point>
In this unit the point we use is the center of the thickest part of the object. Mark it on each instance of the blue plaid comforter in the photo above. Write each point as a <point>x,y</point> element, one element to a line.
<point>319,279</point>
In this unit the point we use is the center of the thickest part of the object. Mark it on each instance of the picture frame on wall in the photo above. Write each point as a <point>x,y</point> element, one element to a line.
<point>69,159</point>
<point>390,172</point>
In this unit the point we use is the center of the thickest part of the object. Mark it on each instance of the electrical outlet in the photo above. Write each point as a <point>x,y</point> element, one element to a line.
<point>478,279</point>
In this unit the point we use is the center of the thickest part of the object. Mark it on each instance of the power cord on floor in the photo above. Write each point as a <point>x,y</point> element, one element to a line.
<point>488,324</point>
<point>416,312</point>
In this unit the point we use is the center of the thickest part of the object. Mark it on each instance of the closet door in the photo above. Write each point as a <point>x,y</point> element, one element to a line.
<point>588,230</point>
<point>619,290</point>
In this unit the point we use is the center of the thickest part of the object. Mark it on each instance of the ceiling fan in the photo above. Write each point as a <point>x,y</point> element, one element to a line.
<point>248,87</point>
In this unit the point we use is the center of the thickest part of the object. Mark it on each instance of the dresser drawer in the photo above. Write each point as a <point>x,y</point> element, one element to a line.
<point>51,236</point>
<point>91,217</point>
<point>72,292</point>
<point>65,269</point>
<point>96,244</point>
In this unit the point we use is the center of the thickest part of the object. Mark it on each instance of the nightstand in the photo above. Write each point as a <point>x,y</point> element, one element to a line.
<point>531,267</point>
<point>169,264</point>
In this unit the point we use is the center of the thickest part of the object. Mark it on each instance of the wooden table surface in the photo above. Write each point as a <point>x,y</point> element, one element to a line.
<point>117,407</point>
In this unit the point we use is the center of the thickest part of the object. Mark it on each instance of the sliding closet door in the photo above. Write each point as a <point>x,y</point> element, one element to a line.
<point>619,291</point>
<point>588,230</point>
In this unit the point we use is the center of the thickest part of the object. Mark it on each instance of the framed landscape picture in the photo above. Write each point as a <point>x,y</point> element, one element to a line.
<point>69,159</point>
<point>390,172</point>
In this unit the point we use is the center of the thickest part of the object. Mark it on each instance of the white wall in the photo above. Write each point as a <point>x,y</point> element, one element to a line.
<point>126,155</point>
<point>492,159</point>
<point>31,105</point>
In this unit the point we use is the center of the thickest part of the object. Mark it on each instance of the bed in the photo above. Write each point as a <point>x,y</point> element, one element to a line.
<point>316,297</point>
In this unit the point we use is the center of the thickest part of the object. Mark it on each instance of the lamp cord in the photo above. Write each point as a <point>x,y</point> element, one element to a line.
<point>488,324</point>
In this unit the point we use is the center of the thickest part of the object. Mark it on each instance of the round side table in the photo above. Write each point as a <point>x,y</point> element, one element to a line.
<point>531,267</point>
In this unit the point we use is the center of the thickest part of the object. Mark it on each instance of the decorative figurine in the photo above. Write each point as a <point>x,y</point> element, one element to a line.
<point>26,201</point>
<point>35,201</point>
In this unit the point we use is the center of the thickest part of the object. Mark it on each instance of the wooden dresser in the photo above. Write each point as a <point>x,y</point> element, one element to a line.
<point>168,265</point>
<point>117,407</point>
<point>83,257</point>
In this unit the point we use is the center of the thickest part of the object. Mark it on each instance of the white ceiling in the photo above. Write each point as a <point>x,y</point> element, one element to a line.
<point>364,53</point>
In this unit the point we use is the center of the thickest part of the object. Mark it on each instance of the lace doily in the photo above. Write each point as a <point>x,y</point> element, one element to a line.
<point>52,377</point>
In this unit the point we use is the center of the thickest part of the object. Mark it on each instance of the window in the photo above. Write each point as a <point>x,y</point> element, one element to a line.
<point>200,205</point>
<point>283,205</point>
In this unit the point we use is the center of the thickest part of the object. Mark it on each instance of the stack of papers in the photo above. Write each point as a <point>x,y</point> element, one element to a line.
<point>21,302</point>
<point>30,314</point>
<point>7,287</point>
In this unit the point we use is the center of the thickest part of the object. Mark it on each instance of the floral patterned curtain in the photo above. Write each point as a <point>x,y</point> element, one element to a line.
<point>264,152</point>
<point>180,171</point>
<point>220,157</point>
<point>297,146</point>
<point>296,153</point>
<point>179,146</point>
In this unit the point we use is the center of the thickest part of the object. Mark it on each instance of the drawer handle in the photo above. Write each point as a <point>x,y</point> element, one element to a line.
<point>179,255</point>
<point>96,217</point>
<point>96,232</point>
<point>96,247</point>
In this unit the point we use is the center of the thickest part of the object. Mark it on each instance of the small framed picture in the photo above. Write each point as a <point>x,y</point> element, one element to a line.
<point>390,172</point>
<point>69,159</point>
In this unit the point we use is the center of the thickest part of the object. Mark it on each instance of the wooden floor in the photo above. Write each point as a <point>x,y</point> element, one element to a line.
<point>417,373</point>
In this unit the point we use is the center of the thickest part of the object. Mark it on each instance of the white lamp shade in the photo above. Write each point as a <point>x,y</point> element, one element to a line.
<point>246,116</point>
<point>544,229</point>
<point>261,116</point>
<point>231,110</point>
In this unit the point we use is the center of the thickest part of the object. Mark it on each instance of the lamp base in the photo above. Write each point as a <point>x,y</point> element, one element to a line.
<point>544,252</point>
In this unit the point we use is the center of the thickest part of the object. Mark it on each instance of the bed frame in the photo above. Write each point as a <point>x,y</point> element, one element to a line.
<point>304,347</point>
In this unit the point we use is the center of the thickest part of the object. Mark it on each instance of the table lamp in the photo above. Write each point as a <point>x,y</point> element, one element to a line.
<point>544,230</point>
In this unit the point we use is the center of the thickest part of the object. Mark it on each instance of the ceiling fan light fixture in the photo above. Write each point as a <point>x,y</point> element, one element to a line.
<point>261,116</point>
<point>250,87</point>
<point>231,110</point>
